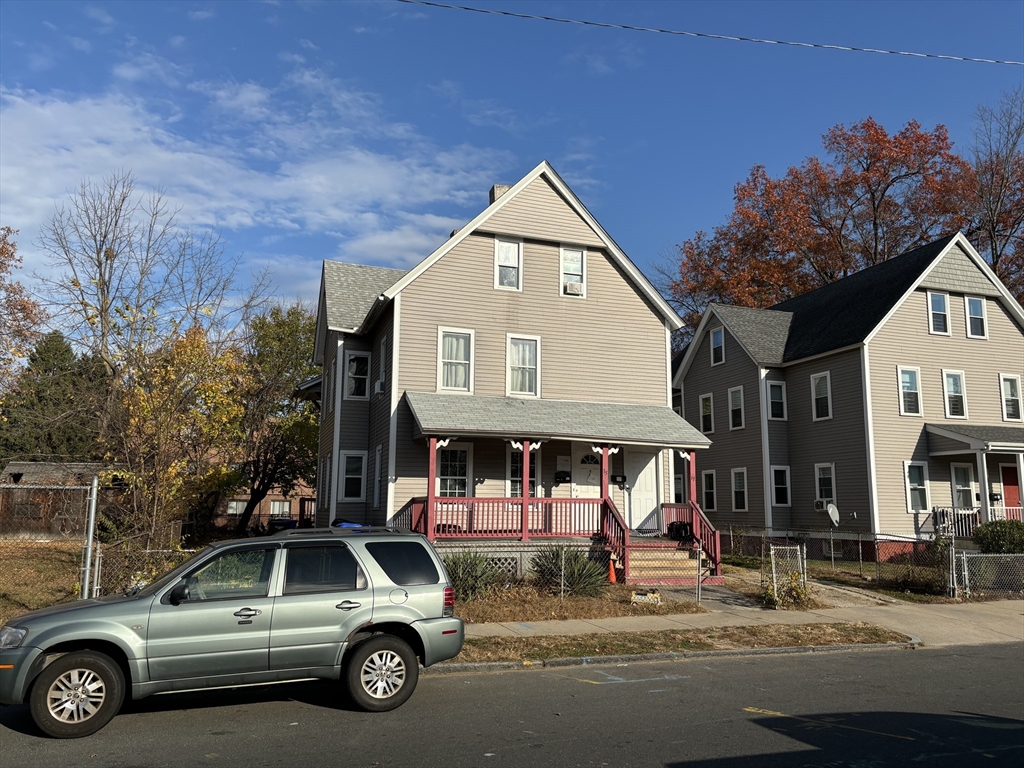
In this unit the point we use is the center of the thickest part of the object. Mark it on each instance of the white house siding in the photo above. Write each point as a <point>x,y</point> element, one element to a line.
<point>905,340</point>
<point>730,449</point>
<point>840,440</point>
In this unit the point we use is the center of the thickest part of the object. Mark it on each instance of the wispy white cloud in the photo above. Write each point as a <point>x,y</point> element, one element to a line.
<point>100,16</point>
<point>309,44</point>
<point>80,44</point>
<point>485,113</point>
<point>149,67</point>
<point>177,41</point>
<point>200,15</point>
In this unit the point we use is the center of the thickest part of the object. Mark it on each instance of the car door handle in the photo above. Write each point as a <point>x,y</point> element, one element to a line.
<point>348,605</point>
<point>248,613</point>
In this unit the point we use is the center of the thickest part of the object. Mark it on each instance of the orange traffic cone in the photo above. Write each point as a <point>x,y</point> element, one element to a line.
<point>611,571</point>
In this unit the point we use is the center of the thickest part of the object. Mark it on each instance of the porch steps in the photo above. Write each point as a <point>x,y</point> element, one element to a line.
<point>666,562</point>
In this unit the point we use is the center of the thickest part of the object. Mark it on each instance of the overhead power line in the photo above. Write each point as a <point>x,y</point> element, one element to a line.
<point>707,35</point>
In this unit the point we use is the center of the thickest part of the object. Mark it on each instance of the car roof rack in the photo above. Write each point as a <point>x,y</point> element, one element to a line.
<point>288,532</point>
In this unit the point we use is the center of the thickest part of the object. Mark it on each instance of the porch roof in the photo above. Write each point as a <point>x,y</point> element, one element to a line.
<point>978,437</point>
<point>446,415</point>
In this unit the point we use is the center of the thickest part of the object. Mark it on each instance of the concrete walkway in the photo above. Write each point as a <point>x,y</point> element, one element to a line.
<point>935,624</point>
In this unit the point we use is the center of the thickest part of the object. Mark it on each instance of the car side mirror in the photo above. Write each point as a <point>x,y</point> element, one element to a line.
<point>179,594</point>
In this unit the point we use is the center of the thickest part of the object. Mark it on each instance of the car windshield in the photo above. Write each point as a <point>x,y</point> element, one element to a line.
<point>167,578</point>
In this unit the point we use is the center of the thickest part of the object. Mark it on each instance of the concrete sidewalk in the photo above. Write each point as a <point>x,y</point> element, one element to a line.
<point>937,624</point>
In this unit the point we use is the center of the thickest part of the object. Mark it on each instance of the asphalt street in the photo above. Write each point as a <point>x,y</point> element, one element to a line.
<point>954,706</point>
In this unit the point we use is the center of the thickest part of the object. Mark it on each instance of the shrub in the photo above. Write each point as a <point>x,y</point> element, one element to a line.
<point>569,571</point>
<point>793,593</point>
<point>1000,537</point>
<point>472,574</point>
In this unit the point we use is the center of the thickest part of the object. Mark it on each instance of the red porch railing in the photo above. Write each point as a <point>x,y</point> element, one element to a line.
<point>616,534</point>
<point>691,515</point>
<point>474,517</point>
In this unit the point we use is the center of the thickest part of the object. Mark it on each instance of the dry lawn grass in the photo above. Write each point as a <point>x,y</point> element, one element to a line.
<point>544,647</point>
<point>36,574</point>
<point>744,581</point>
<point>524,603</point>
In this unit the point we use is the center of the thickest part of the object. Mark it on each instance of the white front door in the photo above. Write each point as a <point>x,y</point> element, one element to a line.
<point>586,472</point>
<point>642,476</point>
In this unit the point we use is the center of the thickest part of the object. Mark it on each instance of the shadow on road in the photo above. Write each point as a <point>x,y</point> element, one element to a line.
<point>884,739</point>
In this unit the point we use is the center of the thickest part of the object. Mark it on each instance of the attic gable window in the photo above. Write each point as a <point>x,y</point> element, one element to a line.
<point>976,325</point>
<point>508,264</point>
<point>717,346</point>
<point>573,272</point>
<point>938,313</point>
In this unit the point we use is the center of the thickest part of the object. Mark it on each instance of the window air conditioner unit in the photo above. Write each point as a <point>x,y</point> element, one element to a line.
<point>378,387</point>
<point>574,289</point>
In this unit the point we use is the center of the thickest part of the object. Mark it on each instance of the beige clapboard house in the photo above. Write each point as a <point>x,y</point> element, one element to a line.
<point>528,330</point>
<point>894,394</point>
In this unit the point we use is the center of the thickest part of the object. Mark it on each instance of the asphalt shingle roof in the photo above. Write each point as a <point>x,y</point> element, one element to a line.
<point>50,473</point>
<point>351,289</point>
<point>763,334</point>
<point>990,434</point>
<point>442,414</point>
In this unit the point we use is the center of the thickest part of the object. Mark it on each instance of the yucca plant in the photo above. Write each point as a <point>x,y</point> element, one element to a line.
<point>568,571</point>
<point>472,574</point>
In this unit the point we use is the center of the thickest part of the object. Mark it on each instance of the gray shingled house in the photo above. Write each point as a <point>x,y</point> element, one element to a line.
<point>528,332</point>
<point>894,393</point>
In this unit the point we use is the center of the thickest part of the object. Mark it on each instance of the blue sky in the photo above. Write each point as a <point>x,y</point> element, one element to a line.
<point>367,130</point>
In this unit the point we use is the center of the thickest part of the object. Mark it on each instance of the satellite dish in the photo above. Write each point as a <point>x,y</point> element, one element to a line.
<point>833,513</point>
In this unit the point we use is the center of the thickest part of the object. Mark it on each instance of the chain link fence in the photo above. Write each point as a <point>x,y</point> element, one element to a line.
<point>977,575</point>
<point>133,562</point>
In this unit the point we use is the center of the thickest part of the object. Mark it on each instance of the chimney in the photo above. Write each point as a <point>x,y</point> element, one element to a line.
<point>498,190</point>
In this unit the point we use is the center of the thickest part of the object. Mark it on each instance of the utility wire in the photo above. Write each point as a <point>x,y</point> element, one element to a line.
<point>607,25</point>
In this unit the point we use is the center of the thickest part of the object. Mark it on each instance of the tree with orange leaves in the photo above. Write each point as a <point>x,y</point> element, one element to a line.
<point>20,316</point>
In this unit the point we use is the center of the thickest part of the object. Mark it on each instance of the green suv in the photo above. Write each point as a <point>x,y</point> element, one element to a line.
<point>364,605</point>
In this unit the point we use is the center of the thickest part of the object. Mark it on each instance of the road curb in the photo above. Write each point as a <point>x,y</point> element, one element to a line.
<point>583,661</point>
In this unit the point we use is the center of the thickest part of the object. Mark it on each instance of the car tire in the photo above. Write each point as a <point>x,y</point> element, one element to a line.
<point>381,673</point>
<point>77,694</point>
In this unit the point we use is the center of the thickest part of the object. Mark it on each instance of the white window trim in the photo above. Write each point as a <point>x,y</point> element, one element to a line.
<point>561,269</point>
<point>952,483</point>
<point>828,389</point>
<point>369,375</point>
<point>817,488</point>
<point>441,331</point>
<point>746,490</point>
<point>785,401</point>
<point>700,413</point>
<point>714,489</point>
<point>535,459</point>
<point>906,486</point>
<point>377,467</point>
<point>711,344</point>
<point>967,316</point>
<point>945,393</point>
<point>519,244</point>
<point>508,365</point>
<point>470,484</point>
<point>899,390</point>
<point>949,325</point>
<point>789,485</point>
<point>743,409</point>
<point>342,455</point>
<point>1002,397</point>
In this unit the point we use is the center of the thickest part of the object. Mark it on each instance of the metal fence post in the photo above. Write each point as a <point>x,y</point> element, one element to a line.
<point>803,569</point>
<point>89,536</point>
<point>831,549</point>
<point>860,556</point>
<point>878,560</point>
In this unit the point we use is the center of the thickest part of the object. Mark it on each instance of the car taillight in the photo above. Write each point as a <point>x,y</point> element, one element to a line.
<point>449,602</point>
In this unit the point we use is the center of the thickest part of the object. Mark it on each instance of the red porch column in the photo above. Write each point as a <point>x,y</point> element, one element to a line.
<point>692,462</point>
<point>431,484</point>
<point>526,491</point>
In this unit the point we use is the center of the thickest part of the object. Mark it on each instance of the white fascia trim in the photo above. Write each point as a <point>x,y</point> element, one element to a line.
<point>668,367</point>
<point>688,358</point>
<point>544,168</point>
<point>393,426</point>
<point>869,439</point>
<point>766,471</point>
<point>320,336</point>
<point>336,444</point>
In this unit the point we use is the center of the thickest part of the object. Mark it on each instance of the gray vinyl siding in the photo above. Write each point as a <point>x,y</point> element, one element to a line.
<point>958,274</point>
<point>841,440</point>
<point>730,449</point>
<point>379,419</point>
<point>778,452</point>
<point>607,347</point>
<point>540,212</point>
<point>354,431</point>
<point>905,341</point>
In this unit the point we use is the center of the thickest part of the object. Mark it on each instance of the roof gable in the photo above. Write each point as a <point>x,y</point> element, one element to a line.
<point>350,290</point>
<point>539,211</point>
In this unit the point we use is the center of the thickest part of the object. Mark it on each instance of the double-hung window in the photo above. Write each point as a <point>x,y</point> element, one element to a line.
<point>736,408</point>
<point>573,272</point>
<point>777,400</point>
<point>955,394</point>
<point>974,307</point>
<point>780,486</point>
<point>357,375</point>
<point>938,313</point>
<point>1009,386</point>
<point>707,414</point>
<point>739,490</point>
<point>515,472</point>
<point>280,508</point>
<point>353,478</point>
<point>916,473</point>
<point>508,264</point>
<point>821,396</point>
<point>910,391</point>
<point>717,346</point>
<point>523,354</point>
<point>454,470</point>
<point>708,488</point>
<point>825,483</point>
<point>455,359</point>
